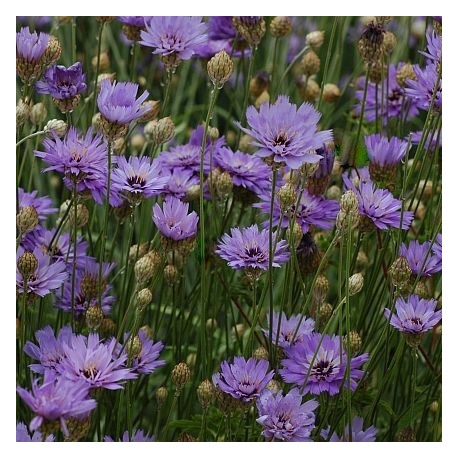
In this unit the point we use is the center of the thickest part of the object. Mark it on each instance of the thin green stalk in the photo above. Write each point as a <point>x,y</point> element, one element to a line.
<point>97,68</point>
<point>73,39</point>
<point>35,134</point>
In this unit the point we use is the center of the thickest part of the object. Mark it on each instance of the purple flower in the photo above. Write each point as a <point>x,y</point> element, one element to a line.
<point>421,258</point>
<point>148,359</point>
<point>173,219</point>
<point>311,211</point>
<point>397,106</point>
<point>221,28</point>
<point>43,205</point>
<point>285,132</point>
<point>318,182</point>
<point>421,90</point>
<point>118,102</point>
<point>49,351</point>
<point>82,160</point>
<point>22,435</point>
<point>174,38</point>
<point>57,399</point>
<point>138,435</point>
<point>286,418</point>
<point>247,171</point>
<point>327,373</point>
<point>414,315</point>
<point>137,178</point>
<point>379,206</point>
<point>357,433</point>
<point>385,152</point>
<point>30,46</point>
<point>47,277</point>
<point>94,362</point>
<point>183,158</point>
<point>243,379</point>
<point>437,247</point>
<point>136,21</point>
<point>180,182</point>
<point>63,83</point>
<point>430,141</point>
<point>434,47</point>
<point>288,328</point>
<point>249,248</point>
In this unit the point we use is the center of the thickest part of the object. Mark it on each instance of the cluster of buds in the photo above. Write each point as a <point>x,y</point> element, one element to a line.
<point>159,131</point>
<point>220,68</point>
<point>348,215</point>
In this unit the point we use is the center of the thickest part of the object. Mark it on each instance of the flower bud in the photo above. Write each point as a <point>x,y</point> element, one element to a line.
<point>57,126</point>
<point>160,131</point>
<point>311,92</point>
<point>105,18</point>
<point>330,93</point>
<point>94,317</point>
<point>250,28</point>
<point>323,313</point>
<point>400,273</point>
<point>27,264</point>
<point>205,393</point>
<point>421,290</point>
<point>406,435</point>
<point>27,219</point>
<point>180,375</point>
<point>213,133</point>
<point>281,26</point>
<point>134,347</point>
<point>274,386</point>
<point>147,331</point>
<point>261,353</point>
<point>220,68</point>
<point>321,289</point>
<point>144,270</point>
<point>239,329</point>
<point>315,39</point>
<point>82,216</point>
<point>52,52</point>
<point>406,72</point>
<point>107,328</point>
<point>434,407</point>
<point>104,62</point>
<point>137,251</point>
<point>77,429</point>
<point>361,260</point>
<point>349,202</point>
<point>294,234</point>
<point>334,192</point>
<point>287,195</point>
<point>105,76</point>
<point>355,284</point>
<point>22,112</point>
<point>143,299</point>
<point>154,107</point>
<point>186,437</point>
<point>224,185</point>
<point>38,113</point>
<point>310,64</point>
<point>263,98</point>
<point>170,274</point>
<point>389,42</point>
<point>161,396</point>
<point>355,342</point>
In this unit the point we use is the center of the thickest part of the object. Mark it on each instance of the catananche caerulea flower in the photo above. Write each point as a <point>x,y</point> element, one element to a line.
<point>174,38</point>
<point>249,248</point>
<point>434,47</point>
<point>57,399</point>
<point>420,91</point>
<point>94,362</point>
<point>318,182</point>
<point>378,206</point>
<point>22,435</point>
<point>179,182</point>
<point>285,133</point>
<point>132,26</point>
<point>47,277</point>
<point>49,351</point>
<point>328,367</point>
<point>421,258</point>
<point>383,151</point>
<point>288,328</point>
<point>30,48</point>
<point>243,379</point>
<point>81,158</point>
<point>358,434</point>
<point>285,418</point>
<point>183,158</point>
<point>414,315</point>
<point>173,220</point>
<point>138,435</point>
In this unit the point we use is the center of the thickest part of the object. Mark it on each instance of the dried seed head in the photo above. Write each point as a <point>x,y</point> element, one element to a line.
<point>315,39</point>
<point>94,317</point>
<point>400,273</point>
<point>57,126</point>
<point>27,219</point>
<point>180,375</point>
<point>389,42</point>
<point>134,347</point>
<point>53,51</point>
<point>310,63</point>
<point>261,353</point>
<point>144,270</point>
<point>355,342</point>
<point>263,98</point>
<point>160,131</point>
<point>250,28</point>
<point>287,195</point>
<point>281,26</point>
<point>206,393</point>
<point>27,264</point>
<point>143,299</point>
<point>161,396</point>
<point>170,274</point>
<point>220,68</point>
<point>22,112</point>
<point>355,284</point>
<point>259,83</point>
<point>334,192</point>
<point>38,113</point>
<point>406,72</point>
<point>224,185</point>
<point>330,93</point>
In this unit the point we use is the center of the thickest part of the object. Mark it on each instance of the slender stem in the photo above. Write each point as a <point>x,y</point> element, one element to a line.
<point>73,39</point>
<point>414,384</point>
<point>328,57</point>
<point>167,92</point>
<point>99,47</point>
<point>35,134</point>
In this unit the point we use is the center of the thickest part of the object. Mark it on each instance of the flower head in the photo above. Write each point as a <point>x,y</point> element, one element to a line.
<point>180,182</point>
<point>148,360</point>
<point>414,315</point>
<point>383,151</point>
<point>42,205</point>
<point>422,260</point>
<point>22,435</point>
<point>249,248</point>
<point>56,399</point>
<point>285,417</point>
<point>434,47</point>
<point>243,379</point>
<point>420,91</point>
<point>63,83</point>
<point>328,366</point>
<point>30,51</point>
<point>286,133</point>
<point>173,219</point>
<point>358,434</point>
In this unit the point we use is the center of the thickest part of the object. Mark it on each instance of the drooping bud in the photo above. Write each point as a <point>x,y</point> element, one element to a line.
<point>250,28</point>
<point>205,393</point>
<point>220,68</point>
<point>27,219</point>
<point>355,284</point>
<point>57,126</point>
<point>180,375</point>
<point>161,396</point>
<point>355,342</point>
<point>287,195</point>
<point>94,317</point>
<point>281,26</point>
<point>143,299</point>
<point>160,131</point>
<point>315,39</point>
<point>310,63</point>
<point>330,93</point>
<point>27,264</point>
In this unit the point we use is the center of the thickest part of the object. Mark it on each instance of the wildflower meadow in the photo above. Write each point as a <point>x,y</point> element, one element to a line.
<point>228,229</point>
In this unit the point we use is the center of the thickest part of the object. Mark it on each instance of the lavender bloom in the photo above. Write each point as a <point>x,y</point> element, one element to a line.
<point>30,48</point>
<point>49,351</point>
<point>414,315</point>
<point>395,98</point>
<point>138,435</point>
<point>421,90</point>
<point>437,248</point>
<point>48,276</point>
<point>137,178</point>
<point>22,435</point>
<point>56,399</point>
<point>82,160</point>
<point>63,83</point>
<point>385,152</point>
<point>288,328</point>
<point>379,206</point>
<point>318,182</point>
<point>430,142</point>
<point>328,371</point>
<point>148,359</point>
<point>136,21</point>
<point>42,205</point>
<point>247,171</point>
<point>243,379</point>
<point>311,211</point>
<point>183,158</point>
<point>173,220</point>
<point>286,418</point>
<point>249,248</point>
<point>179,182</point>
<point>221,28</point>
<point>285,132</point>
<point>421,259</point>
<point>118,104</point>
<point>94,362</point>
<point>357,433</point>
<point>174,38</point>
<point>434,47</point>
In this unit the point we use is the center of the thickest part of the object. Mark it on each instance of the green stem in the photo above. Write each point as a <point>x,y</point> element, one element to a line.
<point>99,47</point>
<point>35,134</point>
<point>414,384</point>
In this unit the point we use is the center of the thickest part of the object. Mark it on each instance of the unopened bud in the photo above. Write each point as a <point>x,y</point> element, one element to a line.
<point>180,375</point>
<point>406,72</point>
<point>355,284</point>
<point>434,407</point>
<point>213,133</point>
<point>144,270</point>
<point>311,92</point>
<point>259,83</point>
<point>137,142</point>
<point>281,26</point>
<point>38,113</point>
<point>205,393</point>
<point>104,62</point>
<point>334,192</point>
<point>315,39</point>
<point>143,299</point>
<point>294,233</point>
<point>421,290</point>
<point>160,131</point>
<point>389,42</point>
<point>191,360</point>
<point>220,68</point>
<point>250,28</point>
<point>224,185</point>
<point>105,18</point>
<point>310,64</point>
<point>52,52</point>
<point>321,289</point>
<point>94,317</point>
<point>161,396</point>
<point>406,435</point>
<point>355,342</point>
<point>82,216</point>
<point>287,195</point>
<point>211,324</point>
<point>186,437</point>
<point>137,251</point>
<point>261,353</point>
<point>170,274</point>
<point>107,328</point>
<point>323,313</point>
<point>27,219</point>
<point>400,272</point>
<point>134,347</point>
<point>274,386</point>
<point>239,329</point>
<point>57,126</point>
<point>361,260</point>
<point>22,112</point>
<point>330,93</point>
<point>349,202</point>
<point>246,144</point>
<point>27,264</point>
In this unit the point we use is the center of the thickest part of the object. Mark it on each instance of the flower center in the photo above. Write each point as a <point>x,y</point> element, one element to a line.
<point>136,181</point>
<point>322,370</point>
<point>282,139</point>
